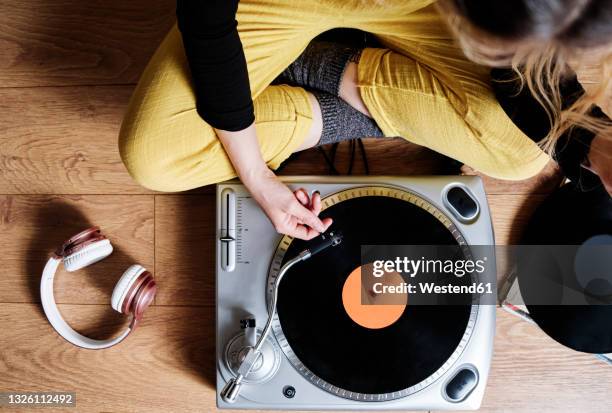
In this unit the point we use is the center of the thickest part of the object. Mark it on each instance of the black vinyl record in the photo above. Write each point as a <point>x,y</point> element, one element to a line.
<point>571,217</point>
<point>325,338</point>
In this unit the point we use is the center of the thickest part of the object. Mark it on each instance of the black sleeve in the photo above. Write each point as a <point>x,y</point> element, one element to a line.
<point>572,148</point>
<point>217,62</point>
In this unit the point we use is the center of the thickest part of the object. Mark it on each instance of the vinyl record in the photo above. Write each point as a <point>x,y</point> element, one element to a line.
<point>572,217</point>
<point>333,347</point>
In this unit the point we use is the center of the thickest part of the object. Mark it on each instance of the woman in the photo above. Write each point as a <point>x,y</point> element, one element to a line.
<point>230,121</point>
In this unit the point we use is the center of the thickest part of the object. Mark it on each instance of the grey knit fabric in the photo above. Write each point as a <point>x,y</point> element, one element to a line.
<point>319,67</point>
<point>342,122</point>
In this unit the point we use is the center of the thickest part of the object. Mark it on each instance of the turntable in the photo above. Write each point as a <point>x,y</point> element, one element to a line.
<point>318,356</point>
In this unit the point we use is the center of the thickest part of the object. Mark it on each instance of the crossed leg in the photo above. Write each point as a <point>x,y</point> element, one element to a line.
<point>421,88</point>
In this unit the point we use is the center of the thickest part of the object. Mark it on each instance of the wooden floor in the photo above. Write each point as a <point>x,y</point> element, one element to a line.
<point>67,69</point>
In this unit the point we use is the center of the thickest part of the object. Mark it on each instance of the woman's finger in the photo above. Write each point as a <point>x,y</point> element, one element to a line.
<point>304,232</point>
<point>316,206</point>
<point>296,229</point>
<point>327,223</point>
<point>315,203</point>
<point>302,196</point>
<point>300,231</point>
<point>306,216</point>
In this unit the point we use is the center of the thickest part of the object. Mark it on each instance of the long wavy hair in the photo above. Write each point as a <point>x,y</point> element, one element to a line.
<point>543,41</point>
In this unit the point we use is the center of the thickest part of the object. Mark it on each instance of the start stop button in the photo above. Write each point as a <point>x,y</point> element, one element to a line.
<point>461,384</point>
<point>461,202</point>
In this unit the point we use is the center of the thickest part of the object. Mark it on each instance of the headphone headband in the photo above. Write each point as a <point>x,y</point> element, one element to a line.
<point>136,291</point>
<point>57,321</point>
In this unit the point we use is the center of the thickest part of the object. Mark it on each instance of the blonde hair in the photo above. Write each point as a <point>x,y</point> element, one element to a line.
<point>541,65</point>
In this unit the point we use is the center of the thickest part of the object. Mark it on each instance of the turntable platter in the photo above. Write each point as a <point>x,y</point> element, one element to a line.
<point>321,339</point>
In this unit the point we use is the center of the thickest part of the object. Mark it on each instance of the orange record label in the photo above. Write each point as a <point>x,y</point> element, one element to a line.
<point>367,308</point>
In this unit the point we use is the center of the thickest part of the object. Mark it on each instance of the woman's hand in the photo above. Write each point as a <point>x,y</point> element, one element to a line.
<point>600,160</point>
<point>291,213</point>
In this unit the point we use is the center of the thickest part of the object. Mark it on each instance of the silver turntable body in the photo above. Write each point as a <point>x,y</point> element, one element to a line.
<point>245,248</point>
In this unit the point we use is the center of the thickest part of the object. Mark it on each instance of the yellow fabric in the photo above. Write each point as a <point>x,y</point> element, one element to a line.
<point>420,87</point>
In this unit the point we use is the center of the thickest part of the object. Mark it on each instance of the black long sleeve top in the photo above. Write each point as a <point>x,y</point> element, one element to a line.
<point>217,62</point>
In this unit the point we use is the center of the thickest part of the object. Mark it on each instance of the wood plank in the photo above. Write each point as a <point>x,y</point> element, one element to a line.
<point>510,214</point>
<point>63,140</point>
<point>185,249</point>
<point>166,365</point>
<point>33,226</point>
<point>385,156</point>
<point>68,42</point>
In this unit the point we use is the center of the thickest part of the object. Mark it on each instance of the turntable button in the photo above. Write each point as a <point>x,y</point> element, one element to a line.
<point>461,385</point>
<point>289,392</point>
<point>461,203</point>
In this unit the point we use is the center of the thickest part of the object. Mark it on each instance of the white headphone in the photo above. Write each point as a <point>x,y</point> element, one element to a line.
<point>132,294</point>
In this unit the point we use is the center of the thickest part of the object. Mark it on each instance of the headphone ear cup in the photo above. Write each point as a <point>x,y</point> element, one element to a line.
<point>123,286</point>
<point>88,255</point>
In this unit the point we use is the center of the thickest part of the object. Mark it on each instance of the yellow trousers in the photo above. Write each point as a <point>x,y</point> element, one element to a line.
<point>420,86</point>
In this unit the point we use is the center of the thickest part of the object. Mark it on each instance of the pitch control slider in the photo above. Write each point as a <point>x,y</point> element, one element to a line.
<point>227,235</point>
<point>231,390</point>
